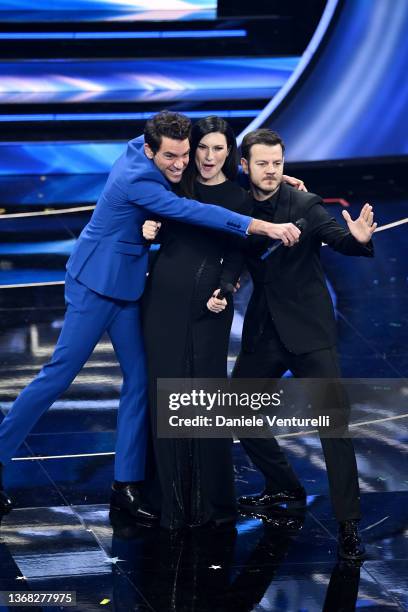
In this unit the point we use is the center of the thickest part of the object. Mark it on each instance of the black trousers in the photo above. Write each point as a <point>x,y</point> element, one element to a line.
<point>271,360</point>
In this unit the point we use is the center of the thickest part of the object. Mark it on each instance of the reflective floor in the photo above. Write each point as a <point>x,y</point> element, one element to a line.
<point>61,538</point>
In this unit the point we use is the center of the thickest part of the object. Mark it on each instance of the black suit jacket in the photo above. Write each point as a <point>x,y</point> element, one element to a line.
<point>289,285</point>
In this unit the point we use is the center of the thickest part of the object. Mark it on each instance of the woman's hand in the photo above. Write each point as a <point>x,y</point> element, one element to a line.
<point>150,229</point>
<point>295,182</point>
<point>216,305</point>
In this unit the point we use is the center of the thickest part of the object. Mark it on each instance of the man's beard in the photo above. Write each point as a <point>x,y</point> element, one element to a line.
<point>268,192</point>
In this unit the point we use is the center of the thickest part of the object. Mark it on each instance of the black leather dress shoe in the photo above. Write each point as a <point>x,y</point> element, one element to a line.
<point>126,526</point>
<point>350,544</point>
<point>265,500</point>
<point>128,498</point>
<point>6,503</point>
<point>281,519</point>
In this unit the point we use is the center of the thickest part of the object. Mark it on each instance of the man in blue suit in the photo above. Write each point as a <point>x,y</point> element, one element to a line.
<point>105,279</point>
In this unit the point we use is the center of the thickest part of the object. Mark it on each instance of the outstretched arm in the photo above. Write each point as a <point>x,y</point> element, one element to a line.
<point>324,228</point>
<point>160,201</point>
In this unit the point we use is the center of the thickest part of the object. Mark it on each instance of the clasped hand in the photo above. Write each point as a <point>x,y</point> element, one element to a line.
<point>150,229</point>
<point>287,232</point>
<point>216,305</point>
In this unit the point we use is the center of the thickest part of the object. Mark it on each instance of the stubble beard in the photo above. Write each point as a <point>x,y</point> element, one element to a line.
<point>265,193</point>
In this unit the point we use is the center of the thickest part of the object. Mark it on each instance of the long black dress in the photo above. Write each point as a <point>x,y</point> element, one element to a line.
<point>184,339</point>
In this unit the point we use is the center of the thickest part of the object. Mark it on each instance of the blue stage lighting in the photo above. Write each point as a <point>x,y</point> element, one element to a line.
<point>178,75</point>
<point>352,100</point>
<point>122,35</point>
<point>105,10</point>
<point>244,113</point>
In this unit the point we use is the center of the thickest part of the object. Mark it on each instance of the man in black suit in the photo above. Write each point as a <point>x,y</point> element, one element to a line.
<point>290,324</point>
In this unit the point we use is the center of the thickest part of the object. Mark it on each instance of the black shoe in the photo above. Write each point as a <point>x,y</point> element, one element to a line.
<point>6,503</point>
<point>265,500</point>
<point>280,519</point>
<point>128,498</point>
<point>126,526</point>
<point>349,540</point>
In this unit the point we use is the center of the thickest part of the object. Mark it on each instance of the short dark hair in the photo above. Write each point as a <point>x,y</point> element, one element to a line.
<point>166,123</point>
<point>262,136</point>
<point>210,125</point>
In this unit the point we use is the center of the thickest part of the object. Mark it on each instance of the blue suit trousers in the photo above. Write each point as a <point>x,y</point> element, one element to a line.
<point>88,316</point>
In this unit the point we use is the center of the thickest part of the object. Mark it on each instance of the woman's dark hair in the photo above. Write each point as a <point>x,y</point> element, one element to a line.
<point>209,125</point>
<point>166,123</point>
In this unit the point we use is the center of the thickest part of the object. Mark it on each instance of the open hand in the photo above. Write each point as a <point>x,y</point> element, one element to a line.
<point>363,227</point>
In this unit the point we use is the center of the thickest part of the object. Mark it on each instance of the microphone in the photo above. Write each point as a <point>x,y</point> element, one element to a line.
<point>301,224</point>
<point>226,289</point>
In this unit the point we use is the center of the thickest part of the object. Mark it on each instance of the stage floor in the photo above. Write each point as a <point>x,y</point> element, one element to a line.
<point>60,538</point>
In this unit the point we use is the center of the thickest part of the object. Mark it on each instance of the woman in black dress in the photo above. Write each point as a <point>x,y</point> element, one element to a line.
<point>187,330</point>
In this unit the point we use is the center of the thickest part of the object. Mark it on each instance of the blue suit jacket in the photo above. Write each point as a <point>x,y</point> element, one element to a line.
<point>110,255</point>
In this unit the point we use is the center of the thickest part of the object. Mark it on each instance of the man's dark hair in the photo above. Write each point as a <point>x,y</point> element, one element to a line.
<point>166,123</point>
<point>261,136</point>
